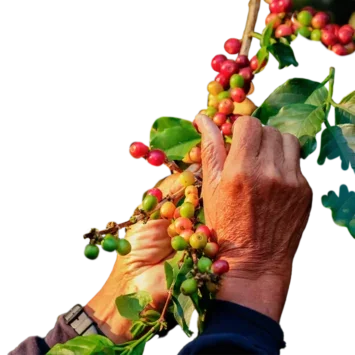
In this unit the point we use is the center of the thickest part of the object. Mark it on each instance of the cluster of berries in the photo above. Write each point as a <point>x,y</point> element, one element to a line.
<point>187,234</point>
<point>312,24</point>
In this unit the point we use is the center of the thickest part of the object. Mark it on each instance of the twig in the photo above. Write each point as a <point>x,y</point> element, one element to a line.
<point>254,6</point>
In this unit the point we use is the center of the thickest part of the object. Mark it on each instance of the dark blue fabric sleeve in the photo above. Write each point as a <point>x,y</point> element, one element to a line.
<point>233,329</point>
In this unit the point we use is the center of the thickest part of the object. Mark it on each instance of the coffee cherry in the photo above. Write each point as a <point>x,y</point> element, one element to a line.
<point>204,264</point>
<point>178,243</point>
<point>204,230</point>
<point>198,241</point>
<point>275,19</point>
<point>350,48</point>
<point>220,267</point>
<point>226,129</point>
<point>320,20</point>
<point>182,224</point>
<point>188,287</point>
<point>304,31</point>
<point>138,150</point>
<point>220,118</point>
<point>236,81</point>
<point>194,199</point>
<point>171,231</point>
<point>254,63</point>
<point>192,189</point>
<point>310,9</point>
<point>177,213</point>
<point>187,210</point>
<point>329,38</point>
<point>247,74</point>
<point>232,46</point>
<point>223,95</point>
<point>333,28</point>
<point>167,210</point>
<point>210,112</point>
<point>229,67</point>
<point>110,243</point>
<point>242,61</point>
<point>233,118</point>
<point>316,35</point>
<point>186,159</point>
<point>287,5</point>
<point>346,34</point>
<point>156,192</point>
<point>304,18</point>
<point>211,287</point>
<point>217,62</point>
<point>156,157</point>
<point>213,101</point>
<point>251,89</point>
<point>238,95</point>
<point>91,251</point>
<point>283,31</point>
<point>149,203</point>
<point>155,215</point>
<point>211,250</point>
<point>276,7</point>
<point>124,247</point>
<point>186,178</point>
<point>339,49</point>
<point>195,155</point>
<point>214,88</point>
<point>187,234</point>
<point>223,80</point>
<point>226,106</point>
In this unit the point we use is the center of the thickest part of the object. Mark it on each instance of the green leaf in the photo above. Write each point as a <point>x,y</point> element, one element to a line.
<point>308,146</point>
<point>294,91</point>
<point>174,136</point>
<point>344,113</point>
<point>303,121</point>
<point>262,55</point>
<point>318,96</point>
<point>179,315</point>
<point>130,306</point>
<point>169,274</point>
<point>187,306</point>
<point>299,120</point>
<point>348,98</point>
<point>174,262</point>
<point>343,208</point>
<point>85,345</point>
<point>266,35</point>
<point>283,54</point>
<point>339,141</point>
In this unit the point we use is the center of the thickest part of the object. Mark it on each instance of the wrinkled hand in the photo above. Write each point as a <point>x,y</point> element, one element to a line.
<point>258,202</point>
<point>142,269</point>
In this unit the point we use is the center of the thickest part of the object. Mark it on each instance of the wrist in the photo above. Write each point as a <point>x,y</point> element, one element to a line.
<point>102,307</point>
<point>264,292</point>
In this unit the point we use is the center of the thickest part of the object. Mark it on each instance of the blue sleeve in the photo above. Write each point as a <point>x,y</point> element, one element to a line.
<point>233,329</point>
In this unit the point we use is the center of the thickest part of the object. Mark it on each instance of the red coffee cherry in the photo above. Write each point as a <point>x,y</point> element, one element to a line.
<point>217,61</point>
<point>232,46</point>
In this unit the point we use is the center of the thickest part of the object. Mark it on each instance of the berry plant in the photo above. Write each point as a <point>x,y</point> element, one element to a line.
<point>299,107</point>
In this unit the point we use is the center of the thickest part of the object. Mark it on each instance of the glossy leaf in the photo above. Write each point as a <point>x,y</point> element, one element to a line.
<point>174,136</point>
<point>345,112</point>
<point>84,345</point>
<point>181,276</point>
<point>339,141</point>
<point>294,91</point>
<point>283,54</point>
<point>267,34</point>
<point>343,208</point>
<point>262,55</point>
<point>130,305</point>
<point>169,274</point>
<point>179,315</point>
<point>308,146</point>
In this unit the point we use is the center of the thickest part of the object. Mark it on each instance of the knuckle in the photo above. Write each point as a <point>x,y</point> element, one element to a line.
<point>273,176</point>
<point>290,138</point>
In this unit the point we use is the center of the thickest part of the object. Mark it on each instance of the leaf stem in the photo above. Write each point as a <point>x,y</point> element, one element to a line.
<point>330,79</point>
<point>254,6</point>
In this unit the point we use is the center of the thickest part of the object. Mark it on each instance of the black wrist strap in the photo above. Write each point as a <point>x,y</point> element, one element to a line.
<point>81,322</point>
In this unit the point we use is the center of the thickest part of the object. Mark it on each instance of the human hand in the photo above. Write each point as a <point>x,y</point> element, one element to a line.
<point>258,202</point>
<point>142,269</point>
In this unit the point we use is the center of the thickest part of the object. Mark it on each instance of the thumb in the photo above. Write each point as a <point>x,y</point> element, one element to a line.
<point>213,152</point>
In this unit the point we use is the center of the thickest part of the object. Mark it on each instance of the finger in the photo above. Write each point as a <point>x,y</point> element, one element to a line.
<point>213,151</point>
<point>292,152</point>
<point>271,150</point>
<point>247,135</point>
